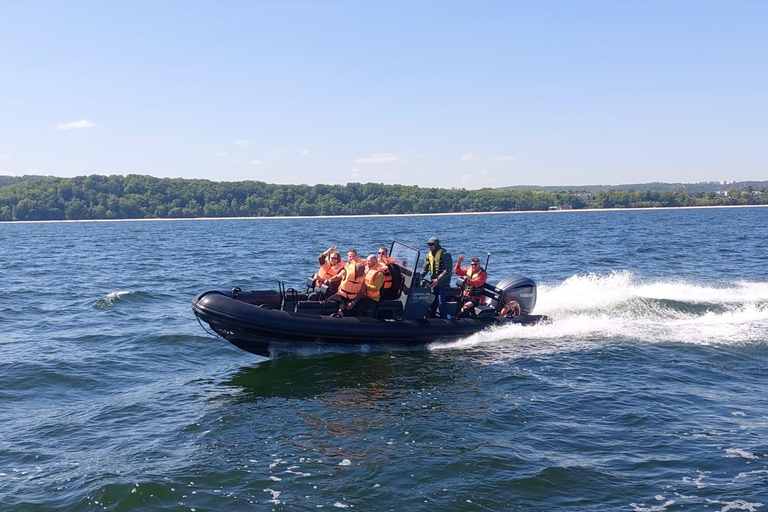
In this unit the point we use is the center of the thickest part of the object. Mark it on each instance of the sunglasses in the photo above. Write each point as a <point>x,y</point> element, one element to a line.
<point>430,245</point>
<point>474,264</point>
<point>382,252</point>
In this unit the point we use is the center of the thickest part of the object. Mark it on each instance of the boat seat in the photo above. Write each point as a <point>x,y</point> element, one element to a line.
<point>483,311</point>
<point>452,308</point>
<point>259,297</point>
<point>389,309</point>
<point>290,298</point>
<point>316,307</point>
<point>452,294</point>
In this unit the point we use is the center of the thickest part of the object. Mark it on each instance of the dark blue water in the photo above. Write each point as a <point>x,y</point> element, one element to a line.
<point>646,393</point>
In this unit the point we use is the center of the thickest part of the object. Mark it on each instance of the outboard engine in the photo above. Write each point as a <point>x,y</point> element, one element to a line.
<point>520,288</point>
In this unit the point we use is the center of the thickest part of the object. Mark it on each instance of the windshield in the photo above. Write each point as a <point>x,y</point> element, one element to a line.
<point>405,256</point>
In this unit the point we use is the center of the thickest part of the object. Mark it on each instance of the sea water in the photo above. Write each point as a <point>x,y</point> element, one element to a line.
<point>647,392</point>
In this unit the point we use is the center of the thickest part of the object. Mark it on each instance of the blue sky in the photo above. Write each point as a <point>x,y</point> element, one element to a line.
<point>448,94</point>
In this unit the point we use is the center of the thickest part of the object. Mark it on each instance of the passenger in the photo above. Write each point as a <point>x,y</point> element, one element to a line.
<point>330,270</point>
<point>374,280</point>
<point>439,265</point>
<point>351,259</point>
<point>475,277</point>
<point>383,256</point>
<point>391,289</point>
<point>351,289</point>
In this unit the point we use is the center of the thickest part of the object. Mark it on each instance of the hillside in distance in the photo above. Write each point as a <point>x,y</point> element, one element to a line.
<point>702,186</point>
<point>34,198</point>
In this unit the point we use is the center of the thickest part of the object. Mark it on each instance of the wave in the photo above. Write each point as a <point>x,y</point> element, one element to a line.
<point>114,298</point>
<point>592,308</point>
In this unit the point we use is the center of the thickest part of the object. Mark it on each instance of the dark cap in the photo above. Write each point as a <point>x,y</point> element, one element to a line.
<point>433,240</point>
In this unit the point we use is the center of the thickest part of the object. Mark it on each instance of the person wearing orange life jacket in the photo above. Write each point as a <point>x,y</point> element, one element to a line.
<point>351,289</point>
<point>390,289</point>
<point>374,281</point>
<point>330,270</point>
<point>351,259</point>
<point>475,278</point>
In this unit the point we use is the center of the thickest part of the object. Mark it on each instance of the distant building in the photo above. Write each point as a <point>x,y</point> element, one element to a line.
<point>586,196</point>
<point>561,207</point>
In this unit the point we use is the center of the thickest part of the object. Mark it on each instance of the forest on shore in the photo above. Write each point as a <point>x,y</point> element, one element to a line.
<point>33,198</point>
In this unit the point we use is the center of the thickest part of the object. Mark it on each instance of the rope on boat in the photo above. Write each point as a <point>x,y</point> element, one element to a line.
<point>214,333</point>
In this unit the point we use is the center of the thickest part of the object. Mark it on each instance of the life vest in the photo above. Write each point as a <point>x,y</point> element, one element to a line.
<point>351,286</point>
<point>436,265</point>
<point>327,271</point>
<point>370,280</point>
<point>473,291</point>
<point>384,267</point>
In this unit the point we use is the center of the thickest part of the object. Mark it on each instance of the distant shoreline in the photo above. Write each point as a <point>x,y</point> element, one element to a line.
<point>390,214</point>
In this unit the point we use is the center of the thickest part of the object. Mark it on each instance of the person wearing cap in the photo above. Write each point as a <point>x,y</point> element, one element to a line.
<point>474,279</point>
<point>439,265</point>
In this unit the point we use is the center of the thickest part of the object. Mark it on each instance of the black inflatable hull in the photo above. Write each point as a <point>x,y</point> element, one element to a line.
<point>265,331</point>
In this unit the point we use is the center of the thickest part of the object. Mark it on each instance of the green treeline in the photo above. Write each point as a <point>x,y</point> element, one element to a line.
<point>144,197</point>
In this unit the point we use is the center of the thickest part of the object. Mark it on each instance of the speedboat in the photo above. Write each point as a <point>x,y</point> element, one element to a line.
<point>271,322</point>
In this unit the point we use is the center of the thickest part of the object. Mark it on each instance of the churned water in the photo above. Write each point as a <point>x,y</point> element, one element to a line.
<point>646,393</point>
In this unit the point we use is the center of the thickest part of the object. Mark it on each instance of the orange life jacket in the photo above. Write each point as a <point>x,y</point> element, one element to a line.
<point>370,280</point>
<point>387,275</point>
<point>351,286</point>
<point>472,291</point>
<point>327,271</point>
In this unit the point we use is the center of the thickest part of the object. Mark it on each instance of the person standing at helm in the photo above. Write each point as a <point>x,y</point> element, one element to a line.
<point>330,270</point>
<point>475,277</point>
<point>439,265</point>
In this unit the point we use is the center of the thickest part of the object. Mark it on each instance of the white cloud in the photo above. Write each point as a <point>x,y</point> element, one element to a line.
<point>220,153</point>
<point>377,158</point>
<point>5,157</point>
<point>504,158</point>
<point>242,142</point>
<point>75,125</point>
<point>468,158</point>
<point>305,152</point>
<point>256,162</point>
<point>354,173</point>
<point>466,177</point>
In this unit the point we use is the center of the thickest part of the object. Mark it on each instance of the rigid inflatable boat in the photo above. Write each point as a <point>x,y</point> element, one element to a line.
<point>271,322</point>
